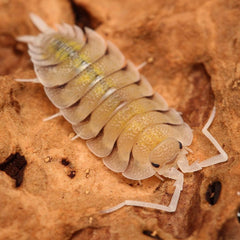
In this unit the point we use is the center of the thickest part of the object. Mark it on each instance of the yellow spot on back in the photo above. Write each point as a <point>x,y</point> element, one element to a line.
<point>62,48</point>
<point>151,138</point>
<point>90,74</point>
<point>100,89</point>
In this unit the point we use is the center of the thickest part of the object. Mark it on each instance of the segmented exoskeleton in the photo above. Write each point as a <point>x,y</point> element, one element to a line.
<point>113,107</point>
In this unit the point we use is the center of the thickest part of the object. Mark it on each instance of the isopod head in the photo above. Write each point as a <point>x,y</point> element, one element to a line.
<point>164,154</point>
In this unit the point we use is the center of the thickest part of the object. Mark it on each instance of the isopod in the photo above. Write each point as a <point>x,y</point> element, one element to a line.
<point>113,107</point>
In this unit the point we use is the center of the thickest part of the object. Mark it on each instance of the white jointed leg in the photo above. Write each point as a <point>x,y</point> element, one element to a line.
<point>159,177</point>
<point>39,23</point>
<point>184,165</point>
<point>222,157</point>
<point>74,138</point>
<point>26,38</point>
<point>141,65</point>
<point>32,80</point>
<point>53,116</point>
<point>173,173</point>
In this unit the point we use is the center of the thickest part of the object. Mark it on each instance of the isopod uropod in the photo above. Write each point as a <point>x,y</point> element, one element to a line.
<point>113,107</point>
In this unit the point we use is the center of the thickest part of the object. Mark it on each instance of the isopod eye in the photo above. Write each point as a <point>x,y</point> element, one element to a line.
<point>180,145</point>
<point>155,165</point>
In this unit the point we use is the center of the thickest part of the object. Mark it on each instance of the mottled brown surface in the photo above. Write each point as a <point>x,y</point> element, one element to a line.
<point>195,47</point>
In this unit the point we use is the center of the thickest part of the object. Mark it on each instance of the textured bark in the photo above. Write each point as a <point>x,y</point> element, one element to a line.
<point>194,50</point>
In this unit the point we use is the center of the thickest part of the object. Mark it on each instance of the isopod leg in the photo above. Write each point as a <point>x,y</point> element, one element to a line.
<point>141,65</point>
<point>159,177</point>
<point>39,23</point>
<point>173,174</point>
<point>74,138</point>
<point>32,80</point>
<point>222,157</point>
<point>26,38</point>
<point>53,116</point>
<point>185,167</point>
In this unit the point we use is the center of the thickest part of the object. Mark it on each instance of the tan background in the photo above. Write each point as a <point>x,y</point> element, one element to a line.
<point>194,53</point>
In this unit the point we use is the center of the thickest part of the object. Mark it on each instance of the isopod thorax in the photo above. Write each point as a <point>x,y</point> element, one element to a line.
<point>113,107</point>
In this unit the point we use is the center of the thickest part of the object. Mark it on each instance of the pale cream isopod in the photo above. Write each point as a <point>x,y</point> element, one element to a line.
<point>113,107</point>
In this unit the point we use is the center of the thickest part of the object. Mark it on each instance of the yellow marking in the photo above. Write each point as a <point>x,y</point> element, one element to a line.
<point>126,113</point>
<point>100,89</point>
<point>99,70</point>
<point>136,108</point>
<point>63,48</point>
<point>111,104</point>
<point>78,61</point>
<point>86,77</point>
<point>90,74</point>
<point>110,82</point>
<point>135,127</point>
<point>151,138</point>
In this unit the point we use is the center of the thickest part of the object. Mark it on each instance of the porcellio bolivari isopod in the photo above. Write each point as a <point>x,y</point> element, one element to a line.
<point>113,107</point>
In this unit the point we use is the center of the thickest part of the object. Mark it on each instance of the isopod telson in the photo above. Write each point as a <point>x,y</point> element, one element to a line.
<point>113,107</point>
